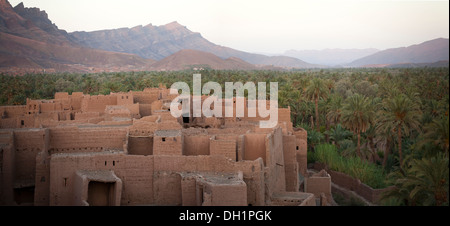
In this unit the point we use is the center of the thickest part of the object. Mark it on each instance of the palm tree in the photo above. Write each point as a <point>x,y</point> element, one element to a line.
<point>335,109</point>
<point>386,134</point>
<point>401,115</point>
<point>315,91</point>
<point>357,116</point>
<point>424,182</point>
<point>437,132</point>
<point>371,143</point>
<point>338,134</point>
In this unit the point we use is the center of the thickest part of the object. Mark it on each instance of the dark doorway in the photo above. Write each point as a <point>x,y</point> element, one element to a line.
<point>100,193</point>
<point>24,196</point>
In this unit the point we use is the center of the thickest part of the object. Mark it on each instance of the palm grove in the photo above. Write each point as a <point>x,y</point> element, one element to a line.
<point>386,127</point>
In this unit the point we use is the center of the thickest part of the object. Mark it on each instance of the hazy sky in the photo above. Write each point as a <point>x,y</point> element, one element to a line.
<point>266,26</point>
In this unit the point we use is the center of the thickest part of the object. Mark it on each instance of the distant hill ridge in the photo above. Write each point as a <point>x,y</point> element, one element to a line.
<point>427,52</point>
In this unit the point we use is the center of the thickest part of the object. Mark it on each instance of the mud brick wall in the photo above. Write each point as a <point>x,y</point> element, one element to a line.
<point>167,144</point>
<point>145,109</point>
<point>167,188</point>
<point>97,103</point>
<point>51,106</point>
<point>74,139</point>
<point>28,144</point>
<point>352,184</point>
<point>318,185</point>
<point>225,148</point>
<point>12,111</point>
<point>234,194</point>
<point>140,145</point>
<point>301,150</point>
<point>253,171</point>
<point>61,95</point>
<point>196,144</point>
<point>144,97</point>
<point>255,146</point>
<point>290,163</point>
<point>124,98</point>
<point>275,172</point>
<point>284,114</point>
<point>136,173</point>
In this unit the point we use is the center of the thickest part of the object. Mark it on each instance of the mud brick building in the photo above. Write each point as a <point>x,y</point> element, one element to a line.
<point>127,149</point>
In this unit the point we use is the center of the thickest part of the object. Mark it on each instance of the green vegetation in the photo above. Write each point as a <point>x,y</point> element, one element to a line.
<point>367,173</point>
<point>383,126</point>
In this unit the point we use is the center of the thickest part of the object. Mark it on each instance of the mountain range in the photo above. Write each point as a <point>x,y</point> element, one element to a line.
<point>30,42</point>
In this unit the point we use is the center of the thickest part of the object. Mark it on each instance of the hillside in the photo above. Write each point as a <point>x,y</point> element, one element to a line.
<point>426,52</point>
<point>30,42</point>
<point>189,59</point>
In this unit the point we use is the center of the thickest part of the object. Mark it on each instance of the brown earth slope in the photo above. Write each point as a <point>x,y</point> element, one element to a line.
<point>189,59</point>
